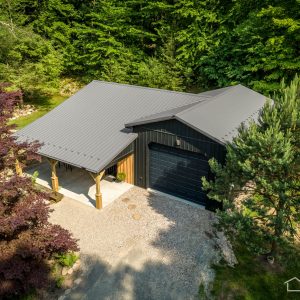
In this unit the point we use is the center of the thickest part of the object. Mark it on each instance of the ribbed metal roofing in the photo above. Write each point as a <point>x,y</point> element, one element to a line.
<point>218,115</point>
<point>161,116</point>
<point>87,130</point>
<point>214,93</point>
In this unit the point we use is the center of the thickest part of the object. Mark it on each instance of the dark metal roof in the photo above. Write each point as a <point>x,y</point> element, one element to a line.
<point>218,114</point>
<point>161,116</point>
<point>221,117</point>
<point>213,93</point>
<point>87,130</point>
<point>171,113</point>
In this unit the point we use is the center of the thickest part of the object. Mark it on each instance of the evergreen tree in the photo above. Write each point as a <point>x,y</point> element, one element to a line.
<point>260,183</point>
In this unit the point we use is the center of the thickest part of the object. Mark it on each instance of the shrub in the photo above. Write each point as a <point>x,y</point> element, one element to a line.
<point>60,281</point>
<point>67,259</point>
<point>27,239</point>
<point>121,176</point>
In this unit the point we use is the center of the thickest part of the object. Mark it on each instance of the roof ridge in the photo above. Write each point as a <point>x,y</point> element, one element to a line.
<point>147,117</point>
<point>150,88</point>
<point>210,99</point>
<point>169,109</point>
<point>225,89</point>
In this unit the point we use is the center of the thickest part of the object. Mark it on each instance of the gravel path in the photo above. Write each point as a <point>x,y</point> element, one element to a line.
<point>142,246</point>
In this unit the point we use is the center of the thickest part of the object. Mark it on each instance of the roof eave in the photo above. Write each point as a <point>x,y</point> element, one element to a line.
<point>107,161</point>
<point>102,164</point>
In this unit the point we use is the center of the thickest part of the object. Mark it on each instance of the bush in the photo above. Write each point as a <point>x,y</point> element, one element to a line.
<point>27,240</point>
<point>60,281</point>
<point>67,259</point>
<point>121,176</point>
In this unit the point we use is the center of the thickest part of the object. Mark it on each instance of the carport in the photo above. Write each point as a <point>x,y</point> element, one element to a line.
<point>78,184</point>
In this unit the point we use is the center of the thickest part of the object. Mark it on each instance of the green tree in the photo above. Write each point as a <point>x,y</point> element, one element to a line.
<point>28,61</point>
<point>259,184</point>
<point>257,44</point>
<point>215,43</point>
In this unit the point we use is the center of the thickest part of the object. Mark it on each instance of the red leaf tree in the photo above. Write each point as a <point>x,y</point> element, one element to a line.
<point>27,239</point>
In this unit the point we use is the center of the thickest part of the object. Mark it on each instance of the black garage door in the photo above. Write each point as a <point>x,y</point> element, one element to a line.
<point>177,172</point>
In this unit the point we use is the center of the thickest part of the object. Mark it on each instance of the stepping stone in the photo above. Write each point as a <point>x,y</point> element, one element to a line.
<point>131,206</point>
<point>136,216</point>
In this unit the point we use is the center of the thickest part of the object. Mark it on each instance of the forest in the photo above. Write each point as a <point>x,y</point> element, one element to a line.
<point>186,45</point>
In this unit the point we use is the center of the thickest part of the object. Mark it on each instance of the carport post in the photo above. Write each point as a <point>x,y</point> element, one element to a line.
<point>54,178</point>
<point>97,177</point>
<point>19,170</point>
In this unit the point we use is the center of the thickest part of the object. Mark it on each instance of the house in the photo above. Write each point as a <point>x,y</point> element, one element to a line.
<point>160,139</point>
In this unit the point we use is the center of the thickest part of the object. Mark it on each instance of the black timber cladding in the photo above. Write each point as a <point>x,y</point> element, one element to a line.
<point>166,133</point>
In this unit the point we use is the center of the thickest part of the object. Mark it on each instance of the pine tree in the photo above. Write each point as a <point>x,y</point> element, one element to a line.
<point>259,184</point>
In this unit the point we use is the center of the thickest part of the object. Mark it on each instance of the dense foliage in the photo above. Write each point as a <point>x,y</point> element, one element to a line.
<point>183,44</point>
<point>27,239</point>
<point>260,182</point>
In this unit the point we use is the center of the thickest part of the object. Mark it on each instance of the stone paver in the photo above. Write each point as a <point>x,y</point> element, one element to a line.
<point>165,253</point>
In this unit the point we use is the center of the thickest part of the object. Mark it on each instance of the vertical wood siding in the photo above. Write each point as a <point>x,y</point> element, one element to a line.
<point>126,165</point>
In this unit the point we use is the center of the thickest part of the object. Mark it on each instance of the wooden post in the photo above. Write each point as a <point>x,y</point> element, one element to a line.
<point>98,195</point>
<point>54,178</point>
<point>97,177</point>
<point>19,170</point>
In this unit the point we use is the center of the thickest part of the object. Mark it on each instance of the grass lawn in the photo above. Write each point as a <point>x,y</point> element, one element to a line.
<point>254,278</point>
<point>43,105</point>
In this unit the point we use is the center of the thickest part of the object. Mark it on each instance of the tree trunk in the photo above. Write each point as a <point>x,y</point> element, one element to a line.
<point>274,248</point>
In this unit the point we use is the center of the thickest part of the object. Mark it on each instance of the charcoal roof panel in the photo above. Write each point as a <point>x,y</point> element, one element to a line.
<point>164,115</point>
<point>217,114</point>
<point>220,117</point>
<point>216,92</point>
<point>87,130</point>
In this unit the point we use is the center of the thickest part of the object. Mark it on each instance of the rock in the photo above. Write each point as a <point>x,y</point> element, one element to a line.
<point>76,266</point>
<point>78,281</point>
<point>68,283</point>
<point>136,216</point>
<point>64,271</point>
<point>77,263</point>
<point>67,292</point>
<point>70,271</point>
<point>226,249</point>
<point>61,297</point>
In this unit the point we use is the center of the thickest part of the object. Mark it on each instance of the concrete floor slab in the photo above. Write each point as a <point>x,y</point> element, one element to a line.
<point>78,184</point>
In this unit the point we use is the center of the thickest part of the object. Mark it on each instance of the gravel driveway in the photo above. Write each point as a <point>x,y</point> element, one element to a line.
<point>142,246</point>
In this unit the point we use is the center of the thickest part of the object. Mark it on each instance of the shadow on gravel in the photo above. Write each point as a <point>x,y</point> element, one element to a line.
<point>186,246</point>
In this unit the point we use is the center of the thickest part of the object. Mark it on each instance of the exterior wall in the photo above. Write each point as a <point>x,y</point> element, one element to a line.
<point>126,165</point>
<point>166,133</point>
<point>128,150</point>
